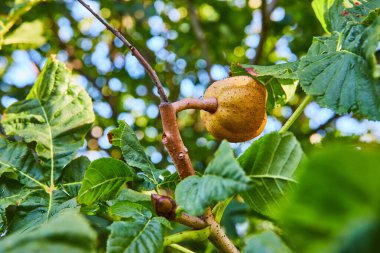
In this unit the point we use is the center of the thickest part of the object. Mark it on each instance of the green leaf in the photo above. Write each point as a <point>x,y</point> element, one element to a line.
<point>223,177</point>
<point>371,16</point>
<point>19,8</point>
<point>170,181</point>
<point>103,180</point>
<point>29,34</point>
<point>271,162</point>
<point>126,209</point>
<point>38,208</point>
<point>56,115</point>
<point>133,153</point>
<point>280,80</point>
<point>321,8</point>
<point>72,176</point>
<point>164,222</point>
<point>265,242</point>
<point>130,195</point>
<point>235,213</point>
<point>53,120</point>
<point>11,194</point>
<point>337,204</point>
<point>340,79</point>
<point>69,232</point>
<point>371,40</point>
<point>139,236</point>
<point>335,15</point>
<point>17,157</point>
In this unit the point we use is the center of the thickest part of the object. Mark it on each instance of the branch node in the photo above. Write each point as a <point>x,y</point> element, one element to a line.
<point>164,206</point>
<point>181,156</point>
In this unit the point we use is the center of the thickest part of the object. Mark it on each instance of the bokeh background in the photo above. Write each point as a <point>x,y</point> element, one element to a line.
<point>190,44</point>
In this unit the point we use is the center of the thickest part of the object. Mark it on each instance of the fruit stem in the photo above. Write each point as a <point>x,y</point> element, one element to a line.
<point>209,104</point>
<point>296,114</point>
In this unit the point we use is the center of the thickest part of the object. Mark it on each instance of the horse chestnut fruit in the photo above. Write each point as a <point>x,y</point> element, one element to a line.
<point>241,113</point>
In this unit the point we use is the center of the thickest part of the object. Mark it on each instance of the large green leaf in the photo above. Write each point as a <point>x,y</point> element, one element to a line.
<point>133,152</point>
<point>29,35</point>
<point>37,208</point>
<point>336,207</point>
<point>69,232</point>
<point>280,80</point>
<point>334,15</point>
<point>127,209</point>
<point>11,194</point>
<point>271,162</point>
<point>370,42</point>
<point>132,196</point>
<point>19,8</point>
<point>17,157</point>
<point>341,72</point>
<point>53,120</point>
<point>265,242</point>
<point>72,176</point>
<point>56,115</point>
<point>139,236</point>
<point>103,180</point>
<point>223,177</point>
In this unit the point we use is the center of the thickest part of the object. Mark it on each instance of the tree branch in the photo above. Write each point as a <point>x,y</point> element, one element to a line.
<point>166,207</point>
<point>264,32</point>
<point>172,140</point>
<point>210,104</point>
<point>134,51</point>
<point>191,221</point>
<point>199,33</point>
<point>217,236</point>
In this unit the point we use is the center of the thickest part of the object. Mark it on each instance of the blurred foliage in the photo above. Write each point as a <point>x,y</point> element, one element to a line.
<point>229,39</point>
<point>343,217</point>
<point>190,44</point>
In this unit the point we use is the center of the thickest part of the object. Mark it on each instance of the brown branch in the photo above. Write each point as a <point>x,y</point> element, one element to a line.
<point>264,32</point>
<point>217,236</point>
<point>166,207</point>
<point>191,221</point>
<point>199,33</point>
<point>210,104</point>
<point>172,140</point>
<point>134,51</point>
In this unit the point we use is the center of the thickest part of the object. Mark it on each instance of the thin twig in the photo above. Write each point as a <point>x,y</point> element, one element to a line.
<point>209,104</point>
<point>134,51</point>
<point>272,6</point>
<point>296,114</point>
<point>199,33</point>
